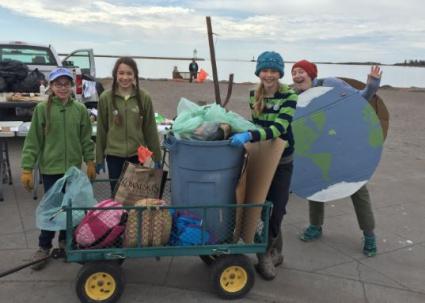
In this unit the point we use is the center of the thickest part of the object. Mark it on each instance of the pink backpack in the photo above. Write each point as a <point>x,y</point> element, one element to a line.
<point>101,228</point>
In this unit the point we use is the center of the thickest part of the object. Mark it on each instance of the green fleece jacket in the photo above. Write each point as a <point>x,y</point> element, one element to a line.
<point>137,128</point>
<point>65,143</point>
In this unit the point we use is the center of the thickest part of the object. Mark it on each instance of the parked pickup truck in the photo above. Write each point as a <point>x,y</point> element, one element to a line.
<point>42,59</point>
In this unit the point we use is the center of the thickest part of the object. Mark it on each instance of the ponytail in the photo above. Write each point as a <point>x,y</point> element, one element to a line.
<point>260,94</point>
<point>117,117</point>
<point>259,99</point>
<point>48,113</point>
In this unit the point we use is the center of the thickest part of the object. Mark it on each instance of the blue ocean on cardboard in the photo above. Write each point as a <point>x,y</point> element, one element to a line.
<point>338,144</point>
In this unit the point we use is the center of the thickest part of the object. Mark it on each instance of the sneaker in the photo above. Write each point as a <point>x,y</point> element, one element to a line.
<point>369,247</point>
<point>41,253</point>
<point>311,233</point>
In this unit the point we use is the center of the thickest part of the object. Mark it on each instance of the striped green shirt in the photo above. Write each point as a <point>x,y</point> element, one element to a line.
<point>276,118</point>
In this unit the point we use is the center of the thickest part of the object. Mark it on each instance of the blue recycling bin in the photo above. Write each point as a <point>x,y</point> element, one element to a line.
<point>206,173</point>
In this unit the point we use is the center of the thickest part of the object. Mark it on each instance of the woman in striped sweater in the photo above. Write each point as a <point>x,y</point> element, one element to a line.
<point>272,107</point>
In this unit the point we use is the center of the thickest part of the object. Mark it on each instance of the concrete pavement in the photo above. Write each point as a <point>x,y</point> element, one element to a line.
<point>331,269</point>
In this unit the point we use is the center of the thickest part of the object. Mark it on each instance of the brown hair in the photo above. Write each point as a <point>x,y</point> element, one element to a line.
<point>133,65</point>
<point>48,110</point>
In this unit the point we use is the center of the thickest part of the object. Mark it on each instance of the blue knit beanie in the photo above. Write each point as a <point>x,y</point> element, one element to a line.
<point>270,60</point>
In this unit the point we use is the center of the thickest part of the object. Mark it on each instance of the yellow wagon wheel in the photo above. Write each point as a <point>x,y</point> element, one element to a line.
<point>100,282</point>
<point>232,276</point>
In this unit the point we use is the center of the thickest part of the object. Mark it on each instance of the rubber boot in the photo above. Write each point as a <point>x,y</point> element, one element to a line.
<point>265,266</point>
<point>276,252</point>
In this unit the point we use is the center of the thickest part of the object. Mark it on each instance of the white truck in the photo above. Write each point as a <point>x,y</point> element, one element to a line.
<point>44,58</point>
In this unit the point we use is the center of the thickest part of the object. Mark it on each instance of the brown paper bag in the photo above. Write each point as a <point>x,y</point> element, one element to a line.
<point>137,182</point>
<point>254,184</point>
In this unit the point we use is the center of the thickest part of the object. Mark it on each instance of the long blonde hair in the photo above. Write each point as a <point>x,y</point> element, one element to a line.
<point>260,94</point>
<point>259,99</point>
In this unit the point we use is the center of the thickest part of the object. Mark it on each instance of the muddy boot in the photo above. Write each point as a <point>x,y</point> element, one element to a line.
<point>41,253</point>
<point>265,266</point>
<point>276,251</point>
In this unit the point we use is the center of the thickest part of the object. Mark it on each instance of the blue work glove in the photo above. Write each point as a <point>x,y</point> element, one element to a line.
<point>240,139</point>
<point>100,167</point>
<point>157,165</point>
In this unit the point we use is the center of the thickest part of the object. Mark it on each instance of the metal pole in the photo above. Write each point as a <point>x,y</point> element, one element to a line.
<point>213,62</point>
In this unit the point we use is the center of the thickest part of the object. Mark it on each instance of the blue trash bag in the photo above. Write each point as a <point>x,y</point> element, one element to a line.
<point>78,193</point>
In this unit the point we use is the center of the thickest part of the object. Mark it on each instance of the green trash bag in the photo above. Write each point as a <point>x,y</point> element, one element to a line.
<point>73,189</point>
<point>190,116</point>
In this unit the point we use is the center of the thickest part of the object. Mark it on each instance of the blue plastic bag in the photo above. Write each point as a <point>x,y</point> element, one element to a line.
<point>78,193</point>
<point>187,230</point>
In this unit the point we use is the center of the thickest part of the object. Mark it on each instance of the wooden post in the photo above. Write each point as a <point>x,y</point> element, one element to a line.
<point>229,91</point>
<point>213,62</point>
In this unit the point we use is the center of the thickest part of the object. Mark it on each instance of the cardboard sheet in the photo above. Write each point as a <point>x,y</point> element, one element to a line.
<point>262,160</point>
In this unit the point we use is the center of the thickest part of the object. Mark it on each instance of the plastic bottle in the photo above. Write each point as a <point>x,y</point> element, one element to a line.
<point>42,89</point>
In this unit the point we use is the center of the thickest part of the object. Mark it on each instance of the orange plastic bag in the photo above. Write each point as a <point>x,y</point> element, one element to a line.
<point>143,154</point>
<point>202,75</point>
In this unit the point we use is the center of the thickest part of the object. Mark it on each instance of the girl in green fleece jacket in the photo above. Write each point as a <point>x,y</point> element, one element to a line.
<point>59,137</point>
<point>125,121</point>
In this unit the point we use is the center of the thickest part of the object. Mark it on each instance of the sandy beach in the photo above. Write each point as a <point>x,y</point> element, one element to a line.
<point>405,105</point>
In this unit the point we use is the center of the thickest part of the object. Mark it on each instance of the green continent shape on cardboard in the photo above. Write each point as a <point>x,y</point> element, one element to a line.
<point>307,136</point>
<point>376,137</point>
<point>319,119</point>
<point>323,161</point>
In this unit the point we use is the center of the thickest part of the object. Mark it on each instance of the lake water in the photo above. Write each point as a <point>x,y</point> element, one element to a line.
<point>397,76</point>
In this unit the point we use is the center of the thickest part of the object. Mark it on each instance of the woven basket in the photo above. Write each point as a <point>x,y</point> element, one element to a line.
<point>155,226</point>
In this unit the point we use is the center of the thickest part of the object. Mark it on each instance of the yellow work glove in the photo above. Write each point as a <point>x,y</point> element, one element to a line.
<point>26,180</point>
<point>91,170</point>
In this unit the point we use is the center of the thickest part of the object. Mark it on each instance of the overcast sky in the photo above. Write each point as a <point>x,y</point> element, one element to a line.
<point>386,31</point>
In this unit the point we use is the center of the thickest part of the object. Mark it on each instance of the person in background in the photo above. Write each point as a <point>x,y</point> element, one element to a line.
<point>125,121</point>
<point>176,73</point>
<point>304,76</point>
<point>59,137</point>
<point>193,69</point>
<point>272,107</point>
